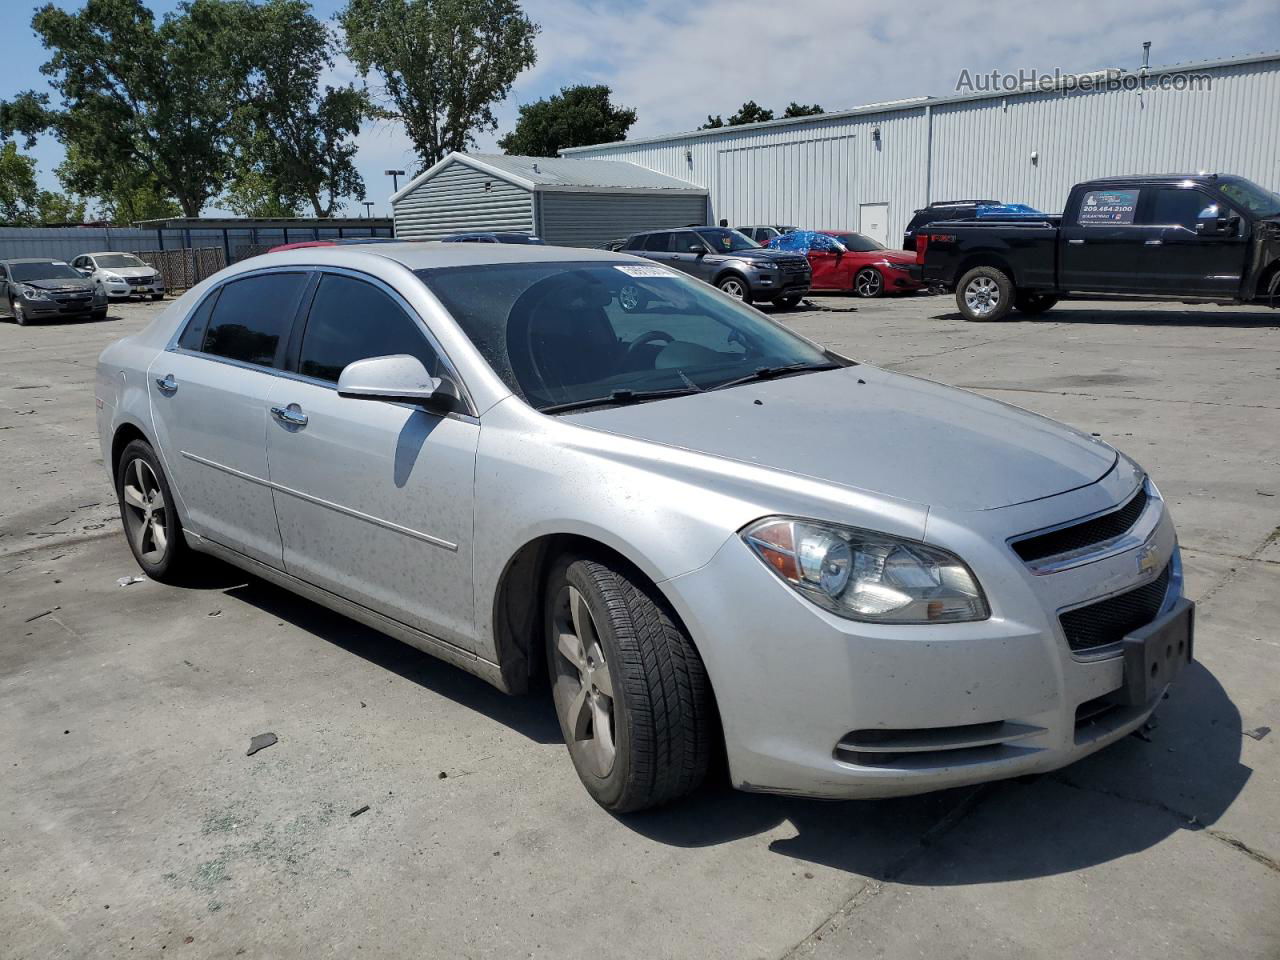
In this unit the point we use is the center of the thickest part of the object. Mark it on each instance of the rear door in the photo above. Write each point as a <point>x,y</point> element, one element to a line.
<point>1182,256</point>
<point>209,399</point>
<point>374,497</point>
<point>689,253</point>
<point>1102,241</point>
<point>830,270</point>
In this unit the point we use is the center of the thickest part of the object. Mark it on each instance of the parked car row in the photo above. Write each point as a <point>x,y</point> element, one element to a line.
<point>36,288</point>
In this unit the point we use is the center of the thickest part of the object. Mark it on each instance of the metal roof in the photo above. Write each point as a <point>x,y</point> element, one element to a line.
<point>560,173</point>
<point>263,223</point>
<point>894,106</point>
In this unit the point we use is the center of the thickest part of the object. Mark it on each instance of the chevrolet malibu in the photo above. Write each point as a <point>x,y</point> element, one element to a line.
<point>699,530</point>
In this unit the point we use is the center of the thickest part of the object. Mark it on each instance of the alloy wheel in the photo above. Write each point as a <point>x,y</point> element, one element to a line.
<point>982,296</point>
<point>146,514</point>
<point>734,288</point>
<point>580,662</point>
<point>868,283</point>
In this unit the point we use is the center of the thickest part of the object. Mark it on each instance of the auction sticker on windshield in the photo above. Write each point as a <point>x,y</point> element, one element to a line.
<point>642,271</point>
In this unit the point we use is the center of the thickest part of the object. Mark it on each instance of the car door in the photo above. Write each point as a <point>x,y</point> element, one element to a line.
<point>4,291</point>
<point>374,497</point>
<point>658,247</point>
<point>1102,243</point>
<point>691,254</point>
<point>1184,252</point>
<point>209,400</point>
<point>827,264</point>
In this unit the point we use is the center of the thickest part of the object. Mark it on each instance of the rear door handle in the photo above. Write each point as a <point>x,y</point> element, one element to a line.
<point>1154,243</point>
<point>1075,243</point>
<point>166,383</point>
<point>291,415</point>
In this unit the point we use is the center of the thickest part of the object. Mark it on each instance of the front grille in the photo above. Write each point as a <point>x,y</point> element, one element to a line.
<point>73,295</point>
<point>1108,621</point>
<point>1084,534</point>
<point>793,264</point>
<point>137,281</point>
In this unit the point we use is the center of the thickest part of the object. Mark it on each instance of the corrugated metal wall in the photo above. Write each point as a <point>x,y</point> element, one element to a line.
<point>459,199</point>
<point>817,174</point>
<point>593,218</point>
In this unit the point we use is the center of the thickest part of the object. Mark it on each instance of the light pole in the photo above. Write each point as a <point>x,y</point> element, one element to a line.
<point>395,176</point>
<point>368,208</point>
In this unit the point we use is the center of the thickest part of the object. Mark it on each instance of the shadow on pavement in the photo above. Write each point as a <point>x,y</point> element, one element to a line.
<point>1117,802</point>
<point>1104,316</point>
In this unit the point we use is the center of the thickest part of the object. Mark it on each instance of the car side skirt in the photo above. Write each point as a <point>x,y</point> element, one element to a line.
<point>486,670</point>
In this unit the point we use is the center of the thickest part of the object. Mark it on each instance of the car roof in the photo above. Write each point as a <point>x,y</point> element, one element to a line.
<point>33,260</point>
<point>430,254</point>
<point>107,253</point>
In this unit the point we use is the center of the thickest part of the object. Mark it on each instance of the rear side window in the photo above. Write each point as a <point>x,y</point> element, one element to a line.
<point>1103,208</point>
<point>352,320</point>
<point>252,317</point>
<point>658,242</point>
<point>193,336</point>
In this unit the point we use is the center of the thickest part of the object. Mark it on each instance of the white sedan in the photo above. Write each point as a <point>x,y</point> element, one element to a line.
<point>120,275</point>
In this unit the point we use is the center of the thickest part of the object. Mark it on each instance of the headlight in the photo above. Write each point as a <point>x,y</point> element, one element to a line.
<point>112,277</point>
<point>33,293</point>
<point>864,575</point>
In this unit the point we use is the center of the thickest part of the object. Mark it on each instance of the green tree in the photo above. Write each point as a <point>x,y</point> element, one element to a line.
<point>133,194</point>
<point>575,117</point>
<point>255,194</point>
<point>137,94</point>
<point>23,203</point>
<point>801,110</point>
<point>53,207</point>
<point>749,112</point>
<point>291,137</point>
<point>443,63</point>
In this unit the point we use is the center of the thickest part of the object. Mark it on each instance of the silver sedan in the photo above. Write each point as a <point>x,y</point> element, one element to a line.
<point>698,529</point>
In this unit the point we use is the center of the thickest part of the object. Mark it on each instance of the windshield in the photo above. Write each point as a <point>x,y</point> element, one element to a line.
<point>1257,200</point>
<point>724,240</point>
<point>566,333</point>
<point>113,260</point>
<point>52,270</point>
<point>857,243</point>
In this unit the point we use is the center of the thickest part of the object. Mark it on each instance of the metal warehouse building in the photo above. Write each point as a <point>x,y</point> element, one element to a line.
<point>570,202</point>
<point>869,168</point>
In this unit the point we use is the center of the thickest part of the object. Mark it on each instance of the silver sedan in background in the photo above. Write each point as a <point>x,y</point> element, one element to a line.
<point>699,529</point>
<point>120,275</point>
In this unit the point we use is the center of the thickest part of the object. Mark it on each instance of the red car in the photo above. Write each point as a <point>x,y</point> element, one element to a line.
<point>842,260</point>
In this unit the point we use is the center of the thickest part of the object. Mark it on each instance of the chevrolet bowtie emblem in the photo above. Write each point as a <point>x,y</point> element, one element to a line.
<point>1146,558</point>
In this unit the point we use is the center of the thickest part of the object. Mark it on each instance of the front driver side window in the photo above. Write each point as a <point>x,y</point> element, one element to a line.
<point>352,320</point>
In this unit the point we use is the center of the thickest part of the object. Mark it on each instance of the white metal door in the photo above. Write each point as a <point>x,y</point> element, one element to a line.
<point>873,221</point>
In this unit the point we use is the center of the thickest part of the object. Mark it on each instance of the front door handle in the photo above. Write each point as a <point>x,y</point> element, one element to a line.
<point>166,383</point>
<point>1075,243</point>
<point>1154,243</point>
<point>291,416</point>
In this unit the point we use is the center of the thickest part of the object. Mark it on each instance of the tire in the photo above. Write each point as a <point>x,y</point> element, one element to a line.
<point>736,287</point>
<point>157,296</point>
<point>1033,304</point>
<point>985,294</point>
<point>868,283</point>
<point>19,314</point>
<point>790,301</point>
<point>98,315</point>
<point>660,716</point>
<point>170,557</point>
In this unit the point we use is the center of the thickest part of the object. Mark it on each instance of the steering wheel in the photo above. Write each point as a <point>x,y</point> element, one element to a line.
<point>649,336</point>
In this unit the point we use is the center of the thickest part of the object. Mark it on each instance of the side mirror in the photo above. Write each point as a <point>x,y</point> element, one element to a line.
<point>400,379</point>
<point>1218,226</point>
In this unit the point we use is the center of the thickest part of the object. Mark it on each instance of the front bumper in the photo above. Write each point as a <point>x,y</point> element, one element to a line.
<point>124,290</point>
<point>816,705</point>
<point>61,308</point>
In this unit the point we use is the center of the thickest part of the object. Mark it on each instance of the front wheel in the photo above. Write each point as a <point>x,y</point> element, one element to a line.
<point>98,315</point>
<point>1033,304</point>
<point>790,301</point>
<point>151,522</point>
<point>157,296</point>
<point>19,314</point>
<point>735,287</point>
<point>630,690</point>
<point>868,282</point>
<point>985,294</point>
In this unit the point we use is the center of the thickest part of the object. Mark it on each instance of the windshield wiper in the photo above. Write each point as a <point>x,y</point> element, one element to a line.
<point>768,373</point>
<point>621,398</point>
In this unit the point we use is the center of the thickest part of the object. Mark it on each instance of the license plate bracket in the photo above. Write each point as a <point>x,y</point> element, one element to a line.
<point>1154,655</point>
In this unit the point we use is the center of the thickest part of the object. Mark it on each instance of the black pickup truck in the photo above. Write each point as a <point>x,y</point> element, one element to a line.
<point>1196,237</point>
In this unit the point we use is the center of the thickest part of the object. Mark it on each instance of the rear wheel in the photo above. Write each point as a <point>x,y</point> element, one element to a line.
<point>735,287</point>
<point>1033,304</point>
<point>985,294</point>
<point>150,520</point>
<point>630,690</point>
<point>868,282</point>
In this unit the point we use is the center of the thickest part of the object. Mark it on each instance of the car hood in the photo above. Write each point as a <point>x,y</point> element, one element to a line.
<point>78,286</point>
<point>130,271</point>
<point>875,431</point>
<point>765,253</point>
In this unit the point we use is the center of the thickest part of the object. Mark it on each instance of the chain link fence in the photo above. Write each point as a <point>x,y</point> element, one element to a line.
<point>183,269</point>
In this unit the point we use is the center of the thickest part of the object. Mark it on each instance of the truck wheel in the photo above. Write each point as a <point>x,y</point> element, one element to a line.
<point>630,690</point>
<point>735,287</point>
<point>985,294</point>
<point>1033,304</point>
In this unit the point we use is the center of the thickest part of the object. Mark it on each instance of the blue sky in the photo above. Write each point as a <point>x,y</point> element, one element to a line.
<point>675,61</point>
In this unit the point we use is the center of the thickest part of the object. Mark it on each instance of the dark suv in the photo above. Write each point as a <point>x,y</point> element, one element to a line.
<point>726,259</point>
<point>942,210</point>
<point>36,288</point>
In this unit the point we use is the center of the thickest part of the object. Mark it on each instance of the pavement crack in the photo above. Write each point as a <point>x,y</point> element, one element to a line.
<point>1248,851</point>
<point>867,892</point>
<point>1189,820</point>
